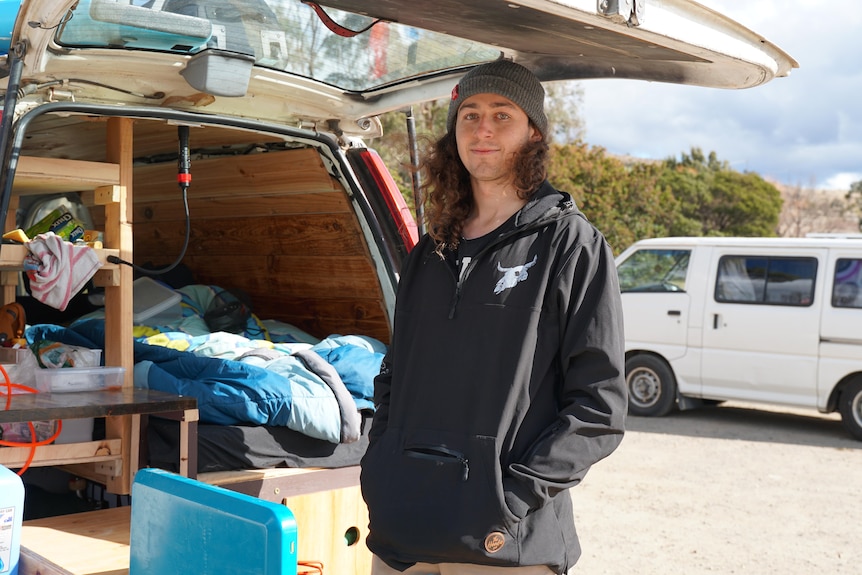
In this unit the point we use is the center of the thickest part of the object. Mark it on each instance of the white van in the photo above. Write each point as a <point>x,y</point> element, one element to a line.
<point>770,320</point>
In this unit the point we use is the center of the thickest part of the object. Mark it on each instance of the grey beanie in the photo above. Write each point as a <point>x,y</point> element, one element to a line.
<point>507,79</point>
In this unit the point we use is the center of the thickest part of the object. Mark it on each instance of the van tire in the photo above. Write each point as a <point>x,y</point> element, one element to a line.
<point>850,406</point>
<point>651,386</point>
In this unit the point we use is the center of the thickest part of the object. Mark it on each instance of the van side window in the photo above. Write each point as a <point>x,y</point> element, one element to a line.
<point>848,278</point>
<point>654,271</point>
<point>766,280</point>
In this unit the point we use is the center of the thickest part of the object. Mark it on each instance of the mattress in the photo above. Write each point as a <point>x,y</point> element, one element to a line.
<point>232,447</point>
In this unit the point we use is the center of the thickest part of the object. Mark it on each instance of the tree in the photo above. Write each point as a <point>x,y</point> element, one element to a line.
<point>807,210</point>
<point>625,202</point>
<point>743,204</point>
<point>716,200</point>
<point>854,196</point>
<point>563,102</point>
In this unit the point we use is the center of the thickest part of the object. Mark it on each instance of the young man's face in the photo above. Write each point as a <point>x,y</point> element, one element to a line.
<point>489,130</point>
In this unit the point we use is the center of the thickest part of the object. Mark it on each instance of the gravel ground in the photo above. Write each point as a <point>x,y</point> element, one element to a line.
<point>728,489</point>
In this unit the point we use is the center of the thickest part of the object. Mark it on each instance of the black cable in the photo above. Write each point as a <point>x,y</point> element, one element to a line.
<point>334,26</point>
<point>184,179</point>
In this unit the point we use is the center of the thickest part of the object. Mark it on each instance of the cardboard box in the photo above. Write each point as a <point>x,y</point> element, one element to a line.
<point>59,221</point>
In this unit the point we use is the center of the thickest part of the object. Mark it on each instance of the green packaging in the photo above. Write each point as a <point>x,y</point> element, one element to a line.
<point>59,221</point>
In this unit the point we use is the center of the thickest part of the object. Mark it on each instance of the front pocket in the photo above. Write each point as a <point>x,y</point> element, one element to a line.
<point>438,500</point>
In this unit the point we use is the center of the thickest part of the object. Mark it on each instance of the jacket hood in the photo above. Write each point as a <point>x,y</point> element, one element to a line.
<point>547,204</point>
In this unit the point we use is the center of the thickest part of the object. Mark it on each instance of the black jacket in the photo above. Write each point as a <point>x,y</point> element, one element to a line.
<point>498,393</point>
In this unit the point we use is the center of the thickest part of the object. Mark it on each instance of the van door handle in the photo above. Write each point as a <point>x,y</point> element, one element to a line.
<point>715,321</point>
<point>674,312</point>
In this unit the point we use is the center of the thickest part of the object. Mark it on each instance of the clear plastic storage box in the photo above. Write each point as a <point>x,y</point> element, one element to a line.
<point>68,379</point>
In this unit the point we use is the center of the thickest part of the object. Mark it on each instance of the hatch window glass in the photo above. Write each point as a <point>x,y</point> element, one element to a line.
<point>766,280</point>
<point>350,51</point>
<point>848,279</point>
<point>654,271</point>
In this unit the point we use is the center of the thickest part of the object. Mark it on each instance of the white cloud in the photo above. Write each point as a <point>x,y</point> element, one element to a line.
<point>803,129</point>
<point>842,181</point>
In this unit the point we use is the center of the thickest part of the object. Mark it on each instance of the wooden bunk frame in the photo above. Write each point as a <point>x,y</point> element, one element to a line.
<point>115,460</point>
<point>328,506</point>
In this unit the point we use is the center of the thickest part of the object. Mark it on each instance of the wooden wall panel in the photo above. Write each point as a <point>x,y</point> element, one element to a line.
<point>172,209</point>
<point>79,137</point>
<point>292,275</point>
<point>154,138</point>
<point>311,235</point>
<point>273,173</point>
<point>71,137</point>
<point>294,246</point>
<point>320,295</point>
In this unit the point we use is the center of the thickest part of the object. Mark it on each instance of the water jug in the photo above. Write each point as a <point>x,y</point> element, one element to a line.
<point>11,517</point>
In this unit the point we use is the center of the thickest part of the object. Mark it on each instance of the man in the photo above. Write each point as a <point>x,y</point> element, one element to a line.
<point>504,379</point>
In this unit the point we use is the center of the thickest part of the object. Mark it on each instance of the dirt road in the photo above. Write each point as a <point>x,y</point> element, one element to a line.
<point>730,489</point>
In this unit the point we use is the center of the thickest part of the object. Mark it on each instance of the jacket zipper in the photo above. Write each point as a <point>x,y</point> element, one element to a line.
<point>441,454</point>
<point>461,278</point>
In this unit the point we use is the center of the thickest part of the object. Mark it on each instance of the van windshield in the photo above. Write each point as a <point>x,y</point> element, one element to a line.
<point>652,270</point>
<point>350,51</point>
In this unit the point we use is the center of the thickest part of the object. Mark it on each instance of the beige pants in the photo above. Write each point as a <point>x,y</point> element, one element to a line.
<point>378,567</point>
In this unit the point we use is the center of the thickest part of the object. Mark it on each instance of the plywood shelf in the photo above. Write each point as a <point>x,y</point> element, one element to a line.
<point>63,454</point>
<point>53,175</point>
<point>12,257</point>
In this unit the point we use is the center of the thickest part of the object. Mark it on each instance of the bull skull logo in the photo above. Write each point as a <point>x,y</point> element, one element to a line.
<point>511,276</point>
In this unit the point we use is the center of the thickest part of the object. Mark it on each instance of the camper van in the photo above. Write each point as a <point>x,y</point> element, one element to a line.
<point>223,146</point>
<point>764,320</point>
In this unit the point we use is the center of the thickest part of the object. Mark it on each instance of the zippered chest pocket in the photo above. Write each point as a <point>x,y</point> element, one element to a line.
<point>441,455</point>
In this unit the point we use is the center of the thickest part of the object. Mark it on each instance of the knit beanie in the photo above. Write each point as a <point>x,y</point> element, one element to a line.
<point>507,79</point>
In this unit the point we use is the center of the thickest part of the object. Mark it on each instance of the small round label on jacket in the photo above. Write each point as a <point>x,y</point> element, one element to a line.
<point>494,542</point>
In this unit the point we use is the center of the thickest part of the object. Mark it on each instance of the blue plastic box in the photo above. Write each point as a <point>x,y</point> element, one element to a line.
<point>181,525</point>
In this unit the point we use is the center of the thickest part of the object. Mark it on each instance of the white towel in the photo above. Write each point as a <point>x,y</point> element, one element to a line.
<point>58,269</point>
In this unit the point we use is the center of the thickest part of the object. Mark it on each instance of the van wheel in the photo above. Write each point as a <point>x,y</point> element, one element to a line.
<point>651,386</point>
<point>850,407</point>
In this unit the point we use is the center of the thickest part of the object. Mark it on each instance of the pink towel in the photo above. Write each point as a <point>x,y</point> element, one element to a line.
<point>58,269</point>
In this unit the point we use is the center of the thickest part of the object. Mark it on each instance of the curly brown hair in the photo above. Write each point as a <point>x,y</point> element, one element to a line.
<point>447,193</point>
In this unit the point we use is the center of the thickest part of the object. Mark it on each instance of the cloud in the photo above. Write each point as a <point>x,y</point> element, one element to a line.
<point>842,181</point>
<point>804,129</point>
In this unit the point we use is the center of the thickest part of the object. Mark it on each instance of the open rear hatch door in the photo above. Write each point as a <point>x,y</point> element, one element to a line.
<point>345,61</point>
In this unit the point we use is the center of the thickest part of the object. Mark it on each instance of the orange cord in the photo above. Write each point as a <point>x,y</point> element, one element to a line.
<point>34,443</point>
<point>314,567</point>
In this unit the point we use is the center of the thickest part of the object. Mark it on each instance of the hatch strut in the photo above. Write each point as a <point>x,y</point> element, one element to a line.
<point>334,26</point>
<point>414,163</point>
<point>8,156</point>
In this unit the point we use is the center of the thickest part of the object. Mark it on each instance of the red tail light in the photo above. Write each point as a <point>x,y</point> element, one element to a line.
<point>392,195</point>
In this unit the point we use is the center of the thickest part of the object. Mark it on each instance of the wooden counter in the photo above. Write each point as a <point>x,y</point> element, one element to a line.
<point>330,515</point>
<point>80,544</point>
<point>101,403</point>
<point>107,453</point>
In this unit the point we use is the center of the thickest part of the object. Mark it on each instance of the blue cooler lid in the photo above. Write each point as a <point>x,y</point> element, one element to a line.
<point>182,525</point>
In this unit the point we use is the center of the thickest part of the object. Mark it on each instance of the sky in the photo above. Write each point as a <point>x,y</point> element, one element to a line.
<point>801,130</point>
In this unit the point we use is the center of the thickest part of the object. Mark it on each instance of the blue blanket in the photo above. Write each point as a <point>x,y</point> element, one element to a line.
<point>281,389</point>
